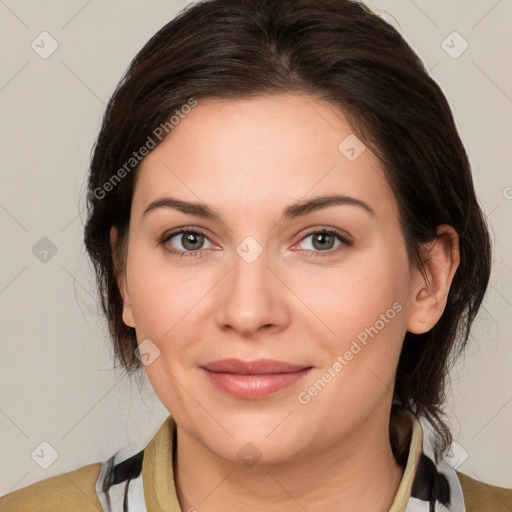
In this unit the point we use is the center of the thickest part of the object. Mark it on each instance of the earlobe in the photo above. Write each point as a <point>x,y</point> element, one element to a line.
<point>127,309</point>
<point>430,292</point>
<point>127,315</point>
<point>121,278</point>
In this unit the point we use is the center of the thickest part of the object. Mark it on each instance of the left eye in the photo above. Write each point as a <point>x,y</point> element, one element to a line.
<point>324,241</point>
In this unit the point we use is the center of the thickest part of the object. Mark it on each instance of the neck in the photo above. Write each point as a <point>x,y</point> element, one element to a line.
<point>359,472</point>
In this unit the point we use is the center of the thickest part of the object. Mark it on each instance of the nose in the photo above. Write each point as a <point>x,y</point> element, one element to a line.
<point>254,297</point>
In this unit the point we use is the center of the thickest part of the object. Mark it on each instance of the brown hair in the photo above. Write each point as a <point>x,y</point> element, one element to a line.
<point>336,50</point>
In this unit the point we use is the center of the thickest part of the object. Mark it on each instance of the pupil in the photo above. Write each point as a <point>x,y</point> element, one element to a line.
<point>321,238</point>
<point>192,239</point>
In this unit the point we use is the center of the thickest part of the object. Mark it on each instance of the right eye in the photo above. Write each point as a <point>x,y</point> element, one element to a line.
<point>185,242</point>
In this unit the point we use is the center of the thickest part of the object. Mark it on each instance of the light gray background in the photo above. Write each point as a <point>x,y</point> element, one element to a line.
<point>57,383</point>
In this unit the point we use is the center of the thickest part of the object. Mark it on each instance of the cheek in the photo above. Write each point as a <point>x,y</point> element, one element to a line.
<point>367,316</point>
<point>162,296</point>
<point>163,309</point>
<point>364,308</point>
<point>345,302</point>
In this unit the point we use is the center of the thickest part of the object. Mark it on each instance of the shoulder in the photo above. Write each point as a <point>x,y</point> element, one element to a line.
<point>482,497</point>
<point>68,491</point>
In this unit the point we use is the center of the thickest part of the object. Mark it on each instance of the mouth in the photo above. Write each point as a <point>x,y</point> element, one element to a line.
<point>253,379</point>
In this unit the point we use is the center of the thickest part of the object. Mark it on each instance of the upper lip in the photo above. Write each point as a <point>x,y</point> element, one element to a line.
<point>255,367</point>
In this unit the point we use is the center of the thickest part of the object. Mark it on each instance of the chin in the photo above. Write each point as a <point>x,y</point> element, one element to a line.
<point>253,446</point>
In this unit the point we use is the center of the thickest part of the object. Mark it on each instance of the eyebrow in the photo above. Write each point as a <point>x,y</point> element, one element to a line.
<point>292,211</point>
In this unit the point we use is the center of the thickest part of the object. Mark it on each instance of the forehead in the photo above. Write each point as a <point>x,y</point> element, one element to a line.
<point>263,153</point>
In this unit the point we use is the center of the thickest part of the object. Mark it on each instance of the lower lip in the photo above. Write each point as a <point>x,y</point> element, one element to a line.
<point>254,386</point>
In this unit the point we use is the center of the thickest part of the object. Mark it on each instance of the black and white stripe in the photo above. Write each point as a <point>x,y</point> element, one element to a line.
<point>119,484</point>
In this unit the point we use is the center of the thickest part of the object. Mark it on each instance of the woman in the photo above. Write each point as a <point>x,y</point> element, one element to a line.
<point>287,241</point>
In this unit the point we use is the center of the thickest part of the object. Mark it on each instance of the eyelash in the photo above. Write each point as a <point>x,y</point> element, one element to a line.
<point>345,242</point>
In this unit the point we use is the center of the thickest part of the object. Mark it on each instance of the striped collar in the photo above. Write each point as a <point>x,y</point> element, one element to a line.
<point>145,481</point>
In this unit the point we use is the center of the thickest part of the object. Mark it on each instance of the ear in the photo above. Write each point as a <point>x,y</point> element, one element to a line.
<point>120,273</point>
<point>430,295</point>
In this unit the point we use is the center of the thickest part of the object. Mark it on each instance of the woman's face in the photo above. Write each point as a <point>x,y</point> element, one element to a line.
<point>258,280</point>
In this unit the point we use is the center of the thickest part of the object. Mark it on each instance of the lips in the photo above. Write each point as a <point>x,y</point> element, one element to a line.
<point>257,367</point>
<point>253,379</point>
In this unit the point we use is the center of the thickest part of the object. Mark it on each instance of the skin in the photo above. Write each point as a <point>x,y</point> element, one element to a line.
<point>250,159</point>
